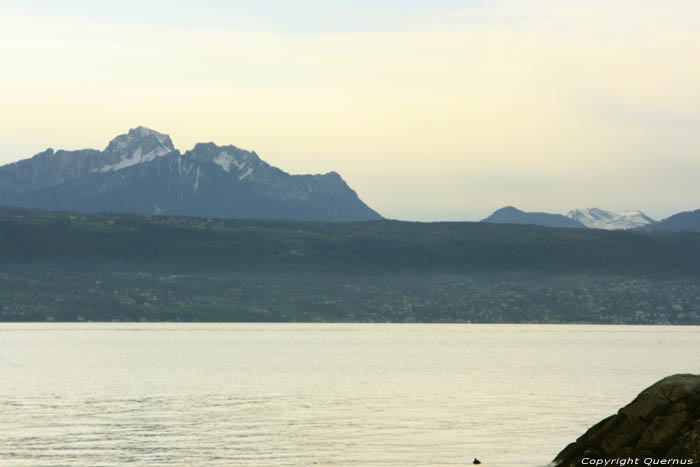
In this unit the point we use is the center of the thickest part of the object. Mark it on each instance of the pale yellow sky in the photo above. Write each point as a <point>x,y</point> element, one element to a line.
<point>545,105</point>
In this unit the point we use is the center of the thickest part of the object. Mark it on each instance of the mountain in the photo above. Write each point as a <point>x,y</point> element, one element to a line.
<point>688,221</point>
<point>595,218</point>
<point>141,172</point>
<point>511,215</point>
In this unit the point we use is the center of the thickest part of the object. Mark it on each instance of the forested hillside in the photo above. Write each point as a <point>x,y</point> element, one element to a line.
<point>67,266</point>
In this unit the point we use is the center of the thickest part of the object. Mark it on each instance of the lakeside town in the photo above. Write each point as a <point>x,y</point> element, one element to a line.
<point>437,298</point>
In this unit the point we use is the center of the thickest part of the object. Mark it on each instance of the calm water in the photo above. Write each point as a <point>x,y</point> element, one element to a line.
<point>318,394</point>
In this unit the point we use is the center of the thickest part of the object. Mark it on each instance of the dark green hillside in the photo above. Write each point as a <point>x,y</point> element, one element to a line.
<point>194,244</point>
<point>109,266</point>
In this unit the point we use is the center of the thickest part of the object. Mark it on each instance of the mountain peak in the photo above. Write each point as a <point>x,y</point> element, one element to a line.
<point>233,160</point>
<point>140,134</point>
<point>596,218</point>
<point>508,209</point>
<point>143,132</point>
<point>139,145</point>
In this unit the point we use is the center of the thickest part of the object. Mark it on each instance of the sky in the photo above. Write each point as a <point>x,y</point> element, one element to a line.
<point>441,110</point>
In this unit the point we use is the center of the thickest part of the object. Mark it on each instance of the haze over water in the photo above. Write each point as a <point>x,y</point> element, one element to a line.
<point>318,394</point>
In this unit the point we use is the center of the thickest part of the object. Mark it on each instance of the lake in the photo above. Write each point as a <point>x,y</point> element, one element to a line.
<point>105,394</point>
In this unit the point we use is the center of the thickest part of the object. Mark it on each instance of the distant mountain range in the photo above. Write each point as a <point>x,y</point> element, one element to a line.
<point>511,215</point>
<point>141,172</point>
<point>595,218</point>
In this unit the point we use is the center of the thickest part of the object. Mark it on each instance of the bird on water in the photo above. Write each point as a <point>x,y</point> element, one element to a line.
<point>476,461</point>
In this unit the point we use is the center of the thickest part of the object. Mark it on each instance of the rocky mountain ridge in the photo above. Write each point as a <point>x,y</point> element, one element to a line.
<point>141,172</point>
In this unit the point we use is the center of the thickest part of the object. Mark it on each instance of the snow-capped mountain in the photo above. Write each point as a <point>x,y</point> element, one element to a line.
<point>141,172</point>
<point>139,145</point>
<point>595,218</point>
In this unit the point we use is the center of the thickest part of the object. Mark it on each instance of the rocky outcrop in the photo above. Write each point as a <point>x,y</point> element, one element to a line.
<point>660,427</point>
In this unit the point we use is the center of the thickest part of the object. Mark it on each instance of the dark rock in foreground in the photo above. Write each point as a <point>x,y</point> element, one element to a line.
<point>661,424</point>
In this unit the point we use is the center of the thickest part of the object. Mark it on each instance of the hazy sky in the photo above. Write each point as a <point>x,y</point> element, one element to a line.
<point>440,112</point>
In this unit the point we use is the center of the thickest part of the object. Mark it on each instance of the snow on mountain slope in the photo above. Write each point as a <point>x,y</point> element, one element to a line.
<point>142,172</point>
<point>139,145</point>
<point>595,218</point>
